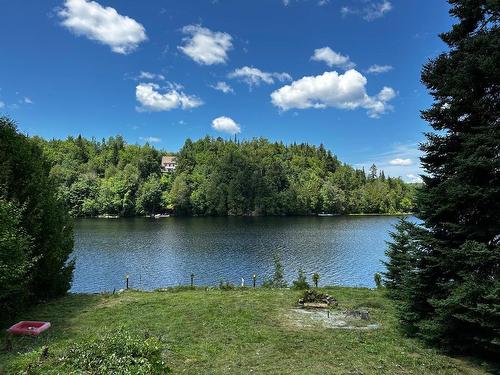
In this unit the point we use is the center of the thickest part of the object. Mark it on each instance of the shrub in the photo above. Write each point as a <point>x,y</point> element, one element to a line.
<point>43,221</point>
<point>301,282</point>
<point>315,279</point>
<point>278,280</point>
<point>378,280</point>
<point>226,285</point>
<point>119,353</point>
<point>15,260</point>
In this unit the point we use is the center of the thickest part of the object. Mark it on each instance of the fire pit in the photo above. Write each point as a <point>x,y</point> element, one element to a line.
<point>29,328</point>
<point>314,299</point>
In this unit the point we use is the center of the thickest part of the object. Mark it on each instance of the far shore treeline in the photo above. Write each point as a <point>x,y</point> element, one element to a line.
<point>217,177</point>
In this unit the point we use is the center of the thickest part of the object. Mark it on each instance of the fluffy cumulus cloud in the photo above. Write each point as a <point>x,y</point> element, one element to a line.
<point>331,89</point>
<point>222,86</point>
<point>254,77</point>
<point>400,162</point>
<point>226,125</point>
<point>103,24</point>
<point>205,46</point>
<point>377,69</point>
<point>332,58</point>
<point>368,10</point>
<point>152,98</point>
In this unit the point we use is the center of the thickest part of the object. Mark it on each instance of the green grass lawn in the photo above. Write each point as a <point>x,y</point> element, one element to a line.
<point>239,331</point>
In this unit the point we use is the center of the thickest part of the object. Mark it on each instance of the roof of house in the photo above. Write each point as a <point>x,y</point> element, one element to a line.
<point>168,159</point>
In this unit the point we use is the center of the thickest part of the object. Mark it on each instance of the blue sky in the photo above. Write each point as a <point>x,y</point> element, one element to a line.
<point>345,73</point>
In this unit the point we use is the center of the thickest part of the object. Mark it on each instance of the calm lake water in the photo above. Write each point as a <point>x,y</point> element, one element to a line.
<point>164,252</point>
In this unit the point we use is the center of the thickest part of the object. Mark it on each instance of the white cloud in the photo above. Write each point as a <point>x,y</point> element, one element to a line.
<point>151,76</point>
<point>151,99</point>
<point>400,162</point>
<point>226,125</point>
<point>370,11</point>
<point>413,178</point>
<point>103,24</point>
<point>377,69</point>
<point>204,46</point>
<point>377,10</point>
<point>330,89</point>
<point>254,77</point>
<point>151,139</point>
<point>222,86</point>
<point>319,3</point>
<point>332,58</point>
<point>2,104</point>
<point>27,100</point>
<point>386,94</point>
<point>394,162</point>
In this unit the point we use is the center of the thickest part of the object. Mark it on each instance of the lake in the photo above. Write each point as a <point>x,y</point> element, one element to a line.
<point>164,252</point>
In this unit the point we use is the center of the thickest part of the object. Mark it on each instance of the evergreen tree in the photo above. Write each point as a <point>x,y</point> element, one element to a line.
<point>26,183</point>
<point>450,294</point>
<point>278,280</point>
<point>373,172</point>
<point>401,254</point>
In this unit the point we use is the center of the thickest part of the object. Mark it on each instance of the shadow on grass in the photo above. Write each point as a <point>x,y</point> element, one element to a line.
<point>61,313</point>
<point>209,328</point>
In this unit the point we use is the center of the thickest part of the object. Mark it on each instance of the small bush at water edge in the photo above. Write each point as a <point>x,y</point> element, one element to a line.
<point>278,280</point>
<point>301,282</point>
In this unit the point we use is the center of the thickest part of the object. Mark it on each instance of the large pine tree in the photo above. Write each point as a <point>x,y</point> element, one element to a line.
<point>449,289</point>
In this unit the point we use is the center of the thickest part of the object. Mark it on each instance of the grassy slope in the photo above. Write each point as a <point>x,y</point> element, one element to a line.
<point>238,331</point>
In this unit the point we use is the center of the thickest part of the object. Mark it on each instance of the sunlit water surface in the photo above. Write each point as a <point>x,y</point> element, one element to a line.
<point>165,252</point>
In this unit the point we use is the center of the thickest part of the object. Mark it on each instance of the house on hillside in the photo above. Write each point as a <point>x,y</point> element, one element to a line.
<point>168,164</point>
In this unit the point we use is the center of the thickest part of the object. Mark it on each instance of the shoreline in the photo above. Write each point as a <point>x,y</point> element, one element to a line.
<point>114,217</point>
<point>209,288</point>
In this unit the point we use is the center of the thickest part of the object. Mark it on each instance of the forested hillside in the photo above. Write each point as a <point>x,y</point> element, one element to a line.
<point>217,177</point>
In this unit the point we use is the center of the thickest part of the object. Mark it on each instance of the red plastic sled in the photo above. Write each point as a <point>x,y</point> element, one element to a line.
<point>29,328</point>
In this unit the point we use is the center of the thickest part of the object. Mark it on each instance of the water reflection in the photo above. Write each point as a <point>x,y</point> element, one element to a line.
<point>164,252</point>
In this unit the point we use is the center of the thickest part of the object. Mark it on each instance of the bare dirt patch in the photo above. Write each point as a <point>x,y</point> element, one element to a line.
<point>325,318</point>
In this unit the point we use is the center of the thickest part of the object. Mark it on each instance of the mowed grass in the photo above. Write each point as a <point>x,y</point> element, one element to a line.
<point>237,331</point>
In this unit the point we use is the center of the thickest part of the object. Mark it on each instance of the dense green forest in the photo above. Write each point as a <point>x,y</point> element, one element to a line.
<point>217,177</point>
